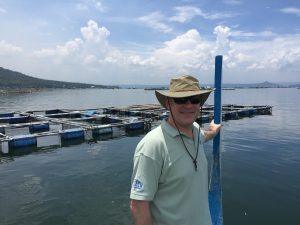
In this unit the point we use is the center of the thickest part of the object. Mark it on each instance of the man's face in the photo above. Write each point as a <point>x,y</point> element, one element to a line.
<point>184,112</point>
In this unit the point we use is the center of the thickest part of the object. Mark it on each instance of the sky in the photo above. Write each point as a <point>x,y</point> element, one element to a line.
<point>151,41</point>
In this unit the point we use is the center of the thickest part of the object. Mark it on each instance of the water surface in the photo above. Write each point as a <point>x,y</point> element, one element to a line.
<point>82,184</point>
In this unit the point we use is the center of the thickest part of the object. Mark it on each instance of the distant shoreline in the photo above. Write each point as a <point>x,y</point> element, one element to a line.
<point>20,90</point>
<point>4,91</point>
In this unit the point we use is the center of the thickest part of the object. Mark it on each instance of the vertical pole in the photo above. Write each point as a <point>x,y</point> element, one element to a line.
<point>215,188</point>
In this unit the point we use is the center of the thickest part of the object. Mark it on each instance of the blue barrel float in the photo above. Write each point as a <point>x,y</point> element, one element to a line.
<point>134,124</point>
<point>18,119</point>
<point>102,129</point>
<point>203,119</point>
<point>73,133</point>
<point>34,128</point>
<point>89,113</point>
<point>252,111</point>
<point>2,130</point>
<point>10,114</point>
<point>23,141</point>
<point>5,116</point>
<point>54,111</point>
<point>111,119</point>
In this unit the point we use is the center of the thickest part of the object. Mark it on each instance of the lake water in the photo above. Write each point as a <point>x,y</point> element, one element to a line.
<point>89,184</point>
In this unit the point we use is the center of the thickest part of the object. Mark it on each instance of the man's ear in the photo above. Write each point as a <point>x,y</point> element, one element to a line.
<point>168,100</point>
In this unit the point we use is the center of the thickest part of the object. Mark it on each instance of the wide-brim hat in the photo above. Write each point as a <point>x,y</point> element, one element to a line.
<point>181,87</point>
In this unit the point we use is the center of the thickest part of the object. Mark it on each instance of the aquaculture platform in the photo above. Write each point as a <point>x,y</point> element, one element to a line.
<point>60,127</point>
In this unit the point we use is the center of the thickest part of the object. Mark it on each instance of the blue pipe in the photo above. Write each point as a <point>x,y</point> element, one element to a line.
<point>215,187</point>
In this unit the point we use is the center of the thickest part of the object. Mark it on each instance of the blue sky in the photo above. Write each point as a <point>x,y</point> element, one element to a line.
<point>150,41</point>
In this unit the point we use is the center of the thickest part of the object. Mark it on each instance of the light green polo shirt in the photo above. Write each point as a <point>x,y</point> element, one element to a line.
<point>164,174</point>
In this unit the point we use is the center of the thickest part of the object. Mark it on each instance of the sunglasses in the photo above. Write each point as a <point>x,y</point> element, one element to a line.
<point>194,100</point>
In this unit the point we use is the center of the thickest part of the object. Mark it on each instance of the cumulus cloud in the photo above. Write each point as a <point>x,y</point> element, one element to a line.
<point>92,43</point>
<point>278,57</point>
<point>187,52</point>
<point>222,43</point>
<point>94,33</point>
<point>89,59</point>
<point>280,54</point>
<point>9,49</point>
<point>61,50</point>
<point>91,50</point>
<point>94,58</point>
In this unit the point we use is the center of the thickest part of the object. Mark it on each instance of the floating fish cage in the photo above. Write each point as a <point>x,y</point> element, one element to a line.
<point>229,112</point>
<point>38,129</point>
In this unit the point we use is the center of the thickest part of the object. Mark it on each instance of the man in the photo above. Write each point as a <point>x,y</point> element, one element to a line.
<point>170,177</point>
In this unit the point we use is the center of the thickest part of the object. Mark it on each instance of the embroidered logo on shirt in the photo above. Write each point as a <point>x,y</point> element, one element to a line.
<point>137,185</point>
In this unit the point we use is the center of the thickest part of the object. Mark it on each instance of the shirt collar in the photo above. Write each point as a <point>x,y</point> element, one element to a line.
<point>173,132</point>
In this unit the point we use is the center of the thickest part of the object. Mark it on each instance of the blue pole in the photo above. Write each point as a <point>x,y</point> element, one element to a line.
<point>215,187</point>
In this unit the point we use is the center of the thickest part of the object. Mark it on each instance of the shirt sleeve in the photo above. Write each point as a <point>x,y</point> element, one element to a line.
<point>202,136</point>
<point>145,178</point>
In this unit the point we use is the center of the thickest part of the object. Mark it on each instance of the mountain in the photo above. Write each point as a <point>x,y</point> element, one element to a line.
<point>14,80</point>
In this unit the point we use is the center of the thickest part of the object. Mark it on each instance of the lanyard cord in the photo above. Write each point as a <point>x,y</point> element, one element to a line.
<point>194,159</point>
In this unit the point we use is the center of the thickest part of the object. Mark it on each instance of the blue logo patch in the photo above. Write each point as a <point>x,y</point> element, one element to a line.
<point>137,185</point>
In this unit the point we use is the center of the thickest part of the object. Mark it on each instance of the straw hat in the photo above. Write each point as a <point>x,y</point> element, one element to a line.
<point>183,86</point>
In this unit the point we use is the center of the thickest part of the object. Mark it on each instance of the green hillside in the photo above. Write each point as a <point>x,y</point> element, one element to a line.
<point>15,80</point>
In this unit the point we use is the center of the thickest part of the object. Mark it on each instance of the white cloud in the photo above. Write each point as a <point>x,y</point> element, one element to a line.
<point>90,4</point>
<point>222,43</point>
<point>291,10</point>
<point>265,33</point>
<point>275,57</point>
<point>215,16</point>
<point>185,13</point>
<point>92,49</point>
<point>159,22</point>
<point>9,49</point>
<point>187,52</point>
<point>69,48</point>
<point>154,20</point>
<point>94,33</point>
<point>281,54</point>
<point>92,58</point>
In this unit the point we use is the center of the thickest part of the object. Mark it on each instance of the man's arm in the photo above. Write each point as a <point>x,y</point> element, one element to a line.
<point>212,131</point>
<point>140,211</point>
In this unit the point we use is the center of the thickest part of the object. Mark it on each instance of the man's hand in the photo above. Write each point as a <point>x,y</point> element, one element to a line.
<point>212,131</point>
